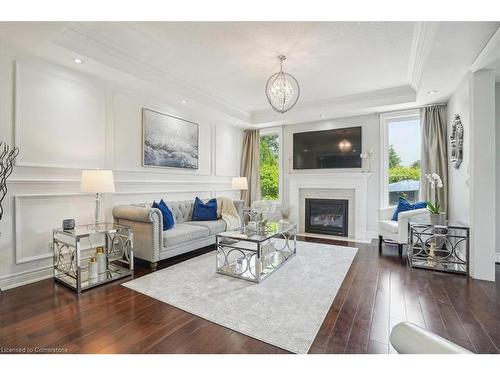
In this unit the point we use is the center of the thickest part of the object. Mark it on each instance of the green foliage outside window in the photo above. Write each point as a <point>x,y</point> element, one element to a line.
<point>398,172</point>
<point>401,173</point>
<point>394,158</point>
<point>269,167</point>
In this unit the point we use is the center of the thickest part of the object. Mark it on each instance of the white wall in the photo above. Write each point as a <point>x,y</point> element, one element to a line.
<point>472,187</point>
<point>371,138</point>
<point>459,183</point>
<point>482,203</point>
<point>63,121</point>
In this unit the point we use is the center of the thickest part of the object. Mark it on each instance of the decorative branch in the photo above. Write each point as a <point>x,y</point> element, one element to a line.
<point>7,157</point>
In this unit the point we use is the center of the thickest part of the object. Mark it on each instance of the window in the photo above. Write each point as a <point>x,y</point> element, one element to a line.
<point>401,143</point>
<point>270,164</point>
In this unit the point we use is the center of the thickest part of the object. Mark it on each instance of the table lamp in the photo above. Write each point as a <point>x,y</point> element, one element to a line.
<point>97,181</point>
<point>239,183</point>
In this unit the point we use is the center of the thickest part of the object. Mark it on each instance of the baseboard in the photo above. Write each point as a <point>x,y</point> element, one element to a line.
<point>371,234</point>
<point>26,277</point>
<point>329,237</point>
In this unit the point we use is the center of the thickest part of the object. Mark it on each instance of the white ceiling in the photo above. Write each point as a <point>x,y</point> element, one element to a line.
<point>234,60</point>
<point>343,67</point>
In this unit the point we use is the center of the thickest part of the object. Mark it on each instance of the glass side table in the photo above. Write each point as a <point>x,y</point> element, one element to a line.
<point>442,246</point>
<point>74,248</point>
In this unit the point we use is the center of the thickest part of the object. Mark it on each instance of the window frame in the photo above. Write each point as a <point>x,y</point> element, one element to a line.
<point>385,119</point>
<point>279,132</point>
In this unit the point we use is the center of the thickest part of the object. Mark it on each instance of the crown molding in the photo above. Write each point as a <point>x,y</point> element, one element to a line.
<point>424,35</point>
<point>488,54</point>
<point>78,38</point>
<point>358,104</point>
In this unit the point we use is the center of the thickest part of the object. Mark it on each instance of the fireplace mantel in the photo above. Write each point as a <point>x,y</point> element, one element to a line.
<point>358,181</point>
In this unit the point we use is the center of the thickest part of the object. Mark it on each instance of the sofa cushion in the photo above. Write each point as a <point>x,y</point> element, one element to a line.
<point>204,211</point>
<point>183,232</point>
<point>168,219</point>
<point>214,226</point>
<point>388,225</point>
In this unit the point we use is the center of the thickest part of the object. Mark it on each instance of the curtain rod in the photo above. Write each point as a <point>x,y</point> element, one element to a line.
<point>409,109</point>
<point>433,105</point>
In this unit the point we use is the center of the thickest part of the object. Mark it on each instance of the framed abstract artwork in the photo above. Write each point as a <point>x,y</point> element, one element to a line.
<point>169,141</point>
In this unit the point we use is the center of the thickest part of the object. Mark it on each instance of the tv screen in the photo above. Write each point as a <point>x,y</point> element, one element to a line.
<point>333,148</point>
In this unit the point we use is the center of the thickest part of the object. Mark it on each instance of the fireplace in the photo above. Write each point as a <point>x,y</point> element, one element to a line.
<point>327,216</point>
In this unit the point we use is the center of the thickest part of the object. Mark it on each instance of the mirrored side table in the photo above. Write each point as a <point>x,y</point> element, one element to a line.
<point>74,248</point>
<point>442,246</point>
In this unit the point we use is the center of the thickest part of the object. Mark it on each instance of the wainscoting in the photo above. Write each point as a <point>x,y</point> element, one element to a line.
<point>64,121</point>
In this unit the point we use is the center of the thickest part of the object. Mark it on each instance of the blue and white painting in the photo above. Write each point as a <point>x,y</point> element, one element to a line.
<point>169,141</point>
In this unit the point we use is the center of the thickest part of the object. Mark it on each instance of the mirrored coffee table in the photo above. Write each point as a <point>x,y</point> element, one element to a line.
<point>255,255</point>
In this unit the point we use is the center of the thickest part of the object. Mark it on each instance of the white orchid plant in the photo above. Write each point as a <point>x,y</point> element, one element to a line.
<point>436,183</point>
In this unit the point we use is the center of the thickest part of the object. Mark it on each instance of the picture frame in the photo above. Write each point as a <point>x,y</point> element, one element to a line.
<point>169,141</point>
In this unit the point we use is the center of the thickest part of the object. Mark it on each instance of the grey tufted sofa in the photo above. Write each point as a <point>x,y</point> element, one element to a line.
<point>152,244</point>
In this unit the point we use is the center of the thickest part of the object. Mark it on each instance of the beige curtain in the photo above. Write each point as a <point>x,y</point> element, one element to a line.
<point>250,166</point>
<point>434,152</point>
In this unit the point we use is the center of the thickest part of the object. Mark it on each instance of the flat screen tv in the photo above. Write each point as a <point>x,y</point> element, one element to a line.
<point>333,148</point>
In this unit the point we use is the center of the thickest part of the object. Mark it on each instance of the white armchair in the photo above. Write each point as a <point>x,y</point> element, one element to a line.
<point>408,338</point>
<point>396,231</point>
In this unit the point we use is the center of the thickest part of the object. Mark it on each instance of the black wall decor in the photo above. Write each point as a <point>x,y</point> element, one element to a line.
<point>7,157</point>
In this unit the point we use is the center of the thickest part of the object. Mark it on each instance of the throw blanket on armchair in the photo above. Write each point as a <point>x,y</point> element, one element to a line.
<point>228,213</point>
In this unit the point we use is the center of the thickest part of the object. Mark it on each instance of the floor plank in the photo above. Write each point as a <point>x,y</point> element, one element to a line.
<point>378,292</point>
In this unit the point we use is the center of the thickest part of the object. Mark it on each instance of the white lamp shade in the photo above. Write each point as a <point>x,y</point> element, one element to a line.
<point>97,181</point>
<point>240,183</point>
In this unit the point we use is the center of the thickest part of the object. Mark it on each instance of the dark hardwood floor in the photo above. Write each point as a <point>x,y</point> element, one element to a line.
<point>377,293</point>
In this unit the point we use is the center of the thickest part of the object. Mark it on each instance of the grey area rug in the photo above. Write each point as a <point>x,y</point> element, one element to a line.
<point>285,310</point>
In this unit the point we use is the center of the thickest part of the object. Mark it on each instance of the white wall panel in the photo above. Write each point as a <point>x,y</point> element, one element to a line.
<point>127,130</point>
<point>60,122</point>
<point>36,215</point>
<point>459,179</point>
<point>227,144</point>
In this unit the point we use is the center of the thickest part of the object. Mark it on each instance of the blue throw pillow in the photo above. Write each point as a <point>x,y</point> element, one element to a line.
<point>404,205</point>
<point>168,218</point>
<point>204,211</point>
<point>418,205</point>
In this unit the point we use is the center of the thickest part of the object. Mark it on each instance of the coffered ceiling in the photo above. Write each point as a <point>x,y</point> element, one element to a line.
<point>343,67</point>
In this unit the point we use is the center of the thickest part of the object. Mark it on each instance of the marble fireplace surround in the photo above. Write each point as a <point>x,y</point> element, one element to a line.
<point>341,185</point>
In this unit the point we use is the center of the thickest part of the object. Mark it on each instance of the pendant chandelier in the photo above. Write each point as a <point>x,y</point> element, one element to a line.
<point>282,89</point>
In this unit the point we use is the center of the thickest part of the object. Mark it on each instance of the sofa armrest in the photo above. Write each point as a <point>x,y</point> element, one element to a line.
<point>147,225</point>
<point>135,213</point>
<point>413,213</point>
<point>385,213</point>
<point>404,218</point>
<point>408,338</point>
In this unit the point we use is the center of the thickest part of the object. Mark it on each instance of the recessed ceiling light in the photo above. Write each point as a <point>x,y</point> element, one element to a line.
<point>184,101</point>
<point>323,116</point>
<point>432,92</point>
<point>78,60</point>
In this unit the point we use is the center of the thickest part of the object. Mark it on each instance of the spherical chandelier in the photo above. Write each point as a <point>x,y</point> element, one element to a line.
<point>282,89</point>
